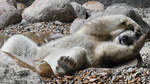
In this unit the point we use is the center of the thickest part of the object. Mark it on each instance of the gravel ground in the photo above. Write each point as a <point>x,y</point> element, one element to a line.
<point>54,27</point>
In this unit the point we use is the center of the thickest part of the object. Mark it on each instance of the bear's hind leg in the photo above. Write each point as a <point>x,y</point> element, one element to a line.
<point>21,46</point>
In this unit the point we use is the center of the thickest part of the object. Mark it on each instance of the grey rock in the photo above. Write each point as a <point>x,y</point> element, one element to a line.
<point>12,2</point>
<point>119,8</point>
<point>49,10</point>
<point>8,14</point>
<point>76,25</point>
<point>93,7</point>
<point>80,11</point>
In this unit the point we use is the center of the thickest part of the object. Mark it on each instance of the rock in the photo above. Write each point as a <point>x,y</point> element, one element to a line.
<point>93,80</point>
<point>120,8</point>
<point>136,3</point>
<point>23,73</point>
<point>80,11</point>
<point>12,2</point>
<point>76,25</point>
<point>8,14</point>
<point>93,7</point>
<point>49,10</point>
<point>128,11</point>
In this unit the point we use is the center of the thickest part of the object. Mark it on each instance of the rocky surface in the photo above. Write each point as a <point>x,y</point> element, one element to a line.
<point>44,30</point>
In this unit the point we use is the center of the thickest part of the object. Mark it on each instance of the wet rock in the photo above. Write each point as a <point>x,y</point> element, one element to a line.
<point>8,15</point>
<point>49,10</point>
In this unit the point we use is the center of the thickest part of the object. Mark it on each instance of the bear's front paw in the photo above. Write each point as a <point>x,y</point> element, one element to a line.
<point>65,65</point>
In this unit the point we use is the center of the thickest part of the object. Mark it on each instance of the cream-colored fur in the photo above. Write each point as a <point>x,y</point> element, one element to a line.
<point>91,46</point>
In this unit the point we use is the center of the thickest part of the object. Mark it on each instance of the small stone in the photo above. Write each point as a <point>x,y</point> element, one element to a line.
<point>93,80</point>
<point>23,73</point>
<point>60,82</point>
<point>69,77</point>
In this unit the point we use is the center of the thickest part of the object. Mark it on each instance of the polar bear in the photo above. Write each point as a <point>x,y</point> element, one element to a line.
<point>91,46</point>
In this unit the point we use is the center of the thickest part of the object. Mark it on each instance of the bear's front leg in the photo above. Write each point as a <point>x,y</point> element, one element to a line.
<point>72,60</point>
<point>64,61</point>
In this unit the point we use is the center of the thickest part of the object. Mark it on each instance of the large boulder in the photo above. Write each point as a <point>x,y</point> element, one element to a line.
<point>80,11</point>
<point>49,10</point>
<point>8,14</point>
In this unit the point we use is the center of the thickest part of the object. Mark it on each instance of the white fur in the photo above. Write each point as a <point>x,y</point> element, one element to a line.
<point>86,47</point>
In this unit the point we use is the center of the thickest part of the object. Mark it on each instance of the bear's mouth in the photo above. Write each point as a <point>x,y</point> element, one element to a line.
<point>125,40</point>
